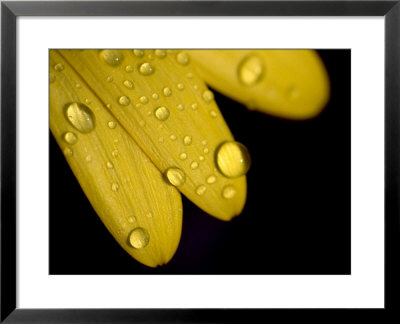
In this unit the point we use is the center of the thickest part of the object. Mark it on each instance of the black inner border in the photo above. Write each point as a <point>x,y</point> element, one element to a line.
<point>11,10</point>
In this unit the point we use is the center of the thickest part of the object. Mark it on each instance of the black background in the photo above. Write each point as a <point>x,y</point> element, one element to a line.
<point>297,215</point>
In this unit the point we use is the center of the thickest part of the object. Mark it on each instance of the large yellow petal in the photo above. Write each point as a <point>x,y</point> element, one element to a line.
<point>141,211</point>
<point>291,84</point>
<point>172,116</point>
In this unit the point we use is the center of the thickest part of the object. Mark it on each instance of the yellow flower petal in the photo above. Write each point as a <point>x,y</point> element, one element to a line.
<point>141,211</point>
<point>286,83</point>
<point>172,116</point>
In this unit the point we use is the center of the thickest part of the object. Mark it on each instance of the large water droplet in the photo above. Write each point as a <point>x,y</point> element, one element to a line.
<point>162,113</point>
<point>175,176</point>
<point>139,238</point>
<point>81,117</point>
<point>124,101</point>
<point>228,192</point>
<point>233,159</point>
<point>183,58</point>
<point>146,69</point>
<point>250,70</point>
<point>112,57</point>
<point>208,96</point>
<point>59,67</point>
<point>200,190</point>
<point>70,138</point>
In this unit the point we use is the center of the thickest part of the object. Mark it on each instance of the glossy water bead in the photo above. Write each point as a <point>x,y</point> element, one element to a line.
<point>80,117</point>
<point>139,238</point>
<point>233,159</point>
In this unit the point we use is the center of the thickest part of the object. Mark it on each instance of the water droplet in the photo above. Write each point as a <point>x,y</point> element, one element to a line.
<point>142,123</point>
<point>109,106</point>
<point>112,124</point>
<point>213,114</point>
<point>204,142</point>
<point>250,70</point>
<point>146,69</point>
<point>81,117</point>
<point>187,140</point>
<point>228,192</point>
<point>88,159</point>
<point>114,187</point>
<point>88,101</point>
<point>68,151</point>
<point>52,78</point>
<point>175,176</point>
<point>132,219</point>
<point>195,106</point>
<point>195,87</point>
<point>129,68</point>
<point>70,138</point>
<point>233,159</point>
<point>128,84</point>
<point>183,156</point>
<point>110,79</point>
<point>160,53</point>
<point>167,92</point>
<point>59,67</point>
<point>162,113</point>
<point>110,165</point>
<point>180,107</point>
<point>138,53</point>
<point>183,58</point>
<point>124,101</point>
<point>211,179</point>
<point>144,100</point>
<point>112,57</point>
<point>173,137</point>
<point>205,150</point>
<point>149,215</point>
<point>189,75</point>
<point>115,153</point>
<point>78,85</point>
<point>208,96</point>
<point>139,238</point>
<point>200,190</point>
<point>180,86</point>
<point>155,96</point>
<point>201,158</point>
<point>194,165</point>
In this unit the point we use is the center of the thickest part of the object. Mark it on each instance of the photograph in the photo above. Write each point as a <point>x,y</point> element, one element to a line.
<point>200,161</point>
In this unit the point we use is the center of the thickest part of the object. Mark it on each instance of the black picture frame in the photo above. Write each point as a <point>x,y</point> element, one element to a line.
<point>390,10</point>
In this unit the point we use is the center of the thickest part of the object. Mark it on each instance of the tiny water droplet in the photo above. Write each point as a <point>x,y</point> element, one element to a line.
<point>167,91</point>
<point>194,165</point>
<point>160,53</point>
<point>110,165</point>
<point>59,67</point>
<point>70,138</point>
<point>146,69</point>
<point>144,100</point>
<point>213,114</point>
<point>116,141</point>
<point>155,96</point>
<point>112,57</point>
<point>175,176</point>
<point>187,140</point>
<point>228,192</point>
<point>132,219</point>
<point>138,105</point>
<point>68,151</point>
<point>88,159</point>
<point>109,106</point>
<point>129,68</point>
<point>233,159</point>
<point>114,187</point>
<point>180,107</point>
<point>183,58</point>
<point>78,85</point>
<point>52,78</point>
<point>183,156</point>
<point>173,137</point>
<point>139,238</point>
<point>124,101</point>
<point>208,96</point>
<point>162,113</point>
<point>161,139</point>
<point>195,87</point>
<point>205,150</point>
<point>88,101</point>
<point>138,52</point>
<point>250,70</point>
<point>201,158</point>
<point>149,215</point>
<point>200,190</point>
<point>112,124</point>
<point>110,79</point>
<point>204,142</point>
<point>115,153</point>
<point>80,117</point>
<point>128,84</point>
<point>189,75</point>
<point>211,179</point>
<point>180,86</point>
<point>195,106</point>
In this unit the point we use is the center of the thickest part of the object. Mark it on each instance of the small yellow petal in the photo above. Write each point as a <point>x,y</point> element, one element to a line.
<point>172,116</point>
<point>286,83</point>
<point>122,184</point>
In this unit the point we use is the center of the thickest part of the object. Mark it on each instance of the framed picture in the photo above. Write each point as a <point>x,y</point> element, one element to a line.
<point>319,228</point>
